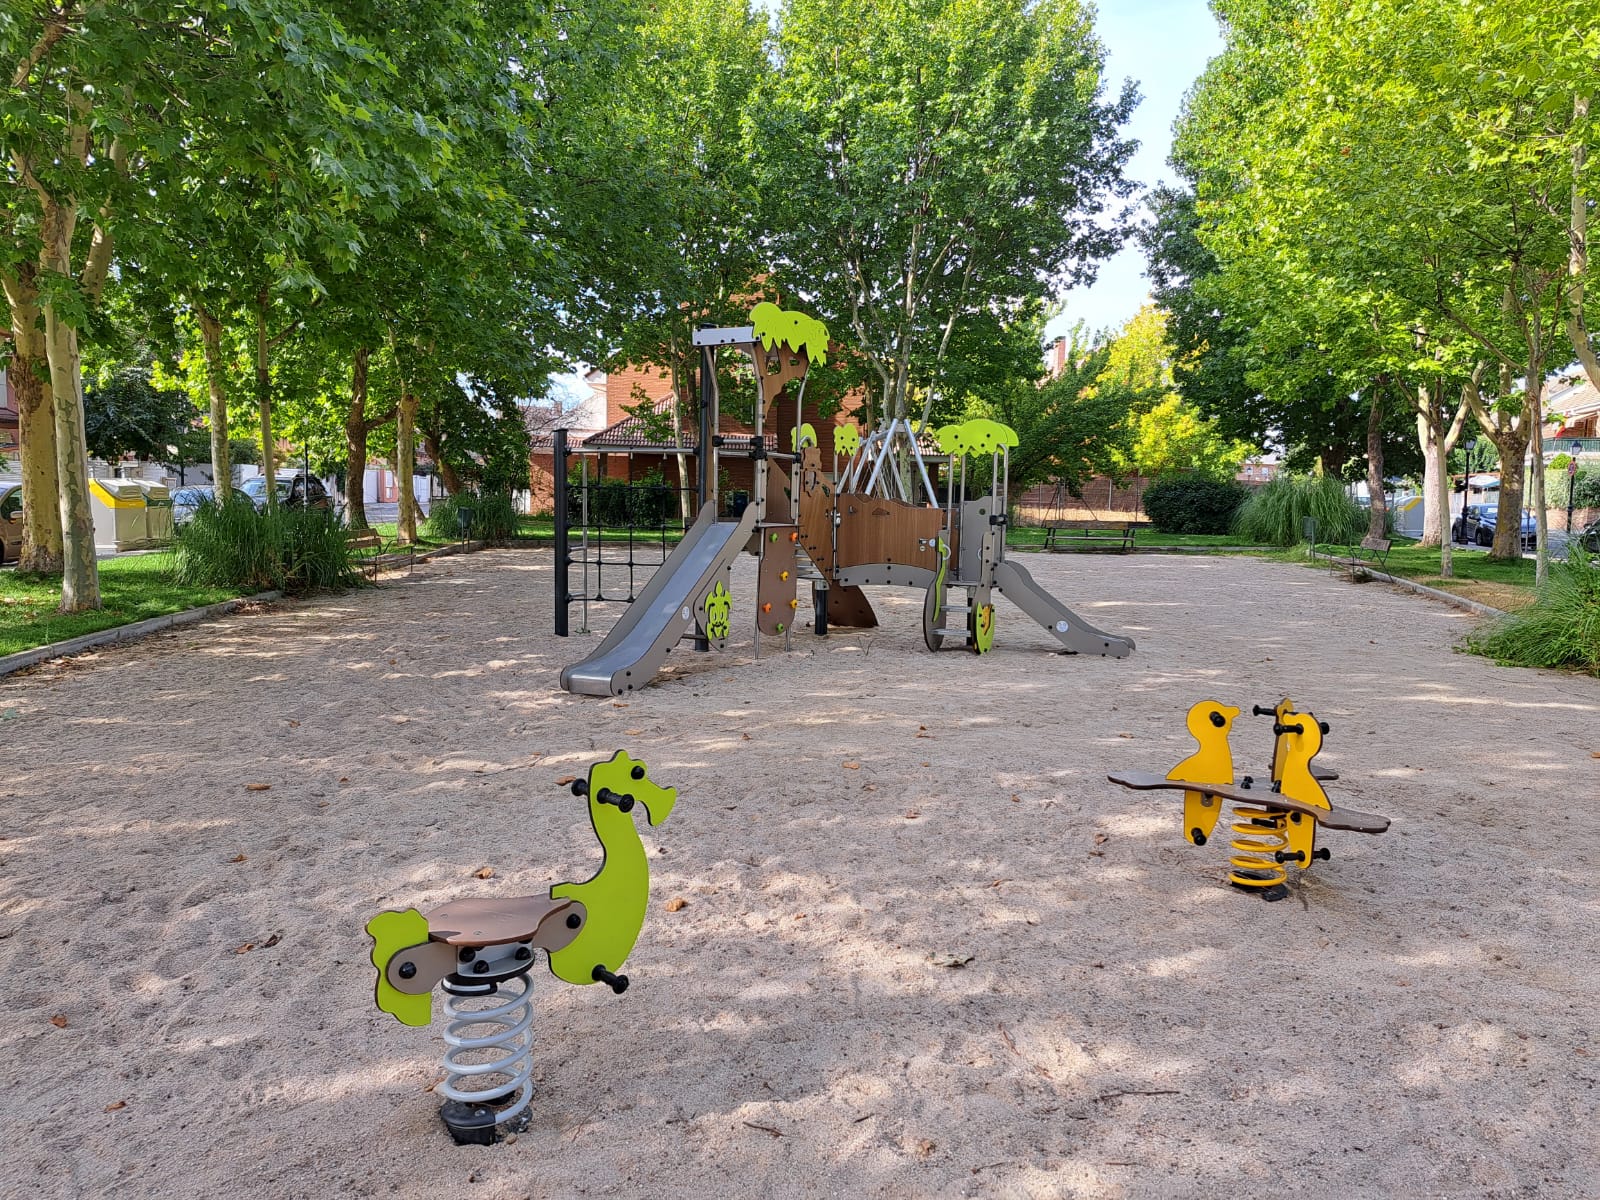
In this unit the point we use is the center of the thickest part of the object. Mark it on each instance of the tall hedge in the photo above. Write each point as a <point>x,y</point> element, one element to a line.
<point>1193,503</point>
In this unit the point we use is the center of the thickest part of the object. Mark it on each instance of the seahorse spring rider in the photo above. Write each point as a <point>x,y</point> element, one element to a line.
<point>480,950</point>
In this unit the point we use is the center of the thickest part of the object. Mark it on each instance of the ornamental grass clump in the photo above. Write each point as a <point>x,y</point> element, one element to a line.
<point>233,545</point>
<point>1275,513</point>
<point>491,517</point>
<point>1561,628</point>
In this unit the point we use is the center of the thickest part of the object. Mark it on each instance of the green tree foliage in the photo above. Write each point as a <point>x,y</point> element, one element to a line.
<point>923,161</point>
<point>125,413</point>
<point>1069,431</point>
<point>1166,432</point>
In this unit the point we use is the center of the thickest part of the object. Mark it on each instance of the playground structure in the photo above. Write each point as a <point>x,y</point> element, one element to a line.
<point>893,508</point>
<point>1271,827</point>
<point>480,950</point>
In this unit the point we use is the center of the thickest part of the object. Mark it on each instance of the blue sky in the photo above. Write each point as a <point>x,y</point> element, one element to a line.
<point>1162,45</point>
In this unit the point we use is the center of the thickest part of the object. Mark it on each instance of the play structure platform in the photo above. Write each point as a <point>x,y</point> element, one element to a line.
<point>894,508</point>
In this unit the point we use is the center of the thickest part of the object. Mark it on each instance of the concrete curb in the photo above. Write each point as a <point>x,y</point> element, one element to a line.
<point>126,633</point>
<point>1450,598</point>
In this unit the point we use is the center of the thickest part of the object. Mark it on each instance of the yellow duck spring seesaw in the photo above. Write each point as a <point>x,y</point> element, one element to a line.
<point>1272,827</point>
<point>480,950</point>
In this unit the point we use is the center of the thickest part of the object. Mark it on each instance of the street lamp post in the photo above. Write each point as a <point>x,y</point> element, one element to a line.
<point>1466,480</point>
<point>1572,479</point>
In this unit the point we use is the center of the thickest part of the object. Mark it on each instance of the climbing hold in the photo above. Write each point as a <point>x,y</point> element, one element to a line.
<point>781,627</point>
<point>794,604</point>
<point>783,576</point>
<point>766,607</point>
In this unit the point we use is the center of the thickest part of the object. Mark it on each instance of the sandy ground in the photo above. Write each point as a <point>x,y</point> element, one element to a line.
<point>1417,1019</point>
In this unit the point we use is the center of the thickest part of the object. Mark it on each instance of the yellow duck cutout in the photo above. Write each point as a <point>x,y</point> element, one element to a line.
<point>1209,723</point>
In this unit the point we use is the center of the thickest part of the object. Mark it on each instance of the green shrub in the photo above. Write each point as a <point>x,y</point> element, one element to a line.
<point>232,545</point>
<point>1586,490</point>
<point>493,518</point>
<point>644,503</point>
<point>1193,503</point>
<point>1275,513</point>
<point>1561,628</point>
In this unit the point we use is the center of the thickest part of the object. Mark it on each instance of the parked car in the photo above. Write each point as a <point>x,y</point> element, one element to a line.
<point>1480,521</point>
<point>10,522</point>
<point>297,491</point>
<point>1589,536</point>
<point>1468,520</point>
<point>187,499</point>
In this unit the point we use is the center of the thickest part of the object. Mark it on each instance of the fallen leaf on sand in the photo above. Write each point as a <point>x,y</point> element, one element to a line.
<point>633,732</point>
<point>912,814</point>
<point>925,1148</point>
<point>239,858</point>
<point>745,736</point>
<point>1100,839</point>
<point>258,787</point>
<point>344,779</point>
<point>483,873</point>
<point>272,941</point>
<point>564,780</point>
<point>954,961</point>
<point>118,1105</point>
<point>851,766</point>
<point>294,724</point>
<point>244,949</point>
<point>59,1021</point>
<point>677,904</point>
<point>1126,735</point>
<point>619,704</point>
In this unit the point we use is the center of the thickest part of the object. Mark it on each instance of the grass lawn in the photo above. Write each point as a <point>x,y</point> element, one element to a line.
<point>131,589</point>
<point>1500,584</point>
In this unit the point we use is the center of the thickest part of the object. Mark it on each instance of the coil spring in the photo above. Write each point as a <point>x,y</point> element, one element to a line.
<point>1257,835</point>
<point>506,1050</point>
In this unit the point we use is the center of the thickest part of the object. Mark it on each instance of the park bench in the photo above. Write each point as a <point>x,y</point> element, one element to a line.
<point>1371,550</point>
<point>1088,535</point>
<point>371,556</point>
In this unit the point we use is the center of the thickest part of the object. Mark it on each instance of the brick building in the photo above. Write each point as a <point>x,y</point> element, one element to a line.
<point>643,419</point>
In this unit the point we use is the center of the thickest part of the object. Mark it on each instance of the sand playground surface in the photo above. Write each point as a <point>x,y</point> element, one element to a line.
<point>926,949</point>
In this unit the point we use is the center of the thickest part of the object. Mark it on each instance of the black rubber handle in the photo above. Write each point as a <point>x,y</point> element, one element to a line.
<point>1280,727</point>
<point>617,983</point>
<point>622,802</point>
<point>580,787</point>
<point>1262,711</point>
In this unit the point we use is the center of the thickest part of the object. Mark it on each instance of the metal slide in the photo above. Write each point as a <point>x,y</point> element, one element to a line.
<point>1076,634</point>
<point>633,651</point>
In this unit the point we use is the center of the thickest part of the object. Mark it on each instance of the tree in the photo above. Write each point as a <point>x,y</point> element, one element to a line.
<point>1166,432</point>
<point>1439,127</point>
<point>924,161</point>
<point>124,413</point>
<point>109,105</point>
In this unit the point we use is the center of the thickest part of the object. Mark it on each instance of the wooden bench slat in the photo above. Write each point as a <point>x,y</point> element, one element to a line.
<point>1061,535</point>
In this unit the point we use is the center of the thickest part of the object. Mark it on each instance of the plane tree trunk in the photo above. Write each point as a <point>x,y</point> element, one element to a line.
<point>216,390</point>
<point>41,511</point>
